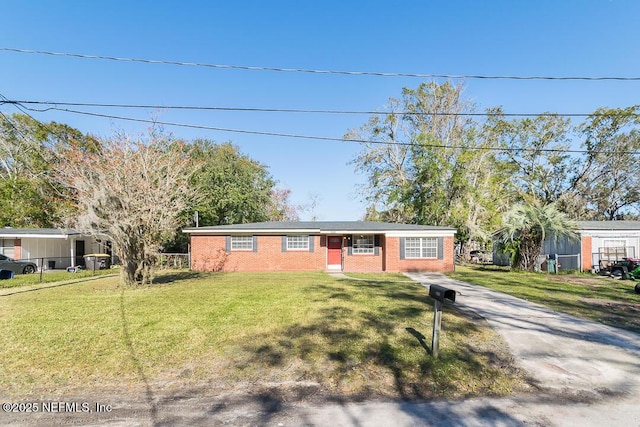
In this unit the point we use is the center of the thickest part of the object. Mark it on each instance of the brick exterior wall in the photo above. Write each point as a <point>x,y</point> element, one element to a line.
<point>364,263</point>
<point>395,264</point>
<point>208,254</point>
<point>586,251</point>
<point>361,263</point>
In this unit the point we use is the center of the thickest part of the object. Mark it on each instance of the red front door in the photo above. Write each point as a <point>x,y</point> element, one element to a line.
<point>334,250</point>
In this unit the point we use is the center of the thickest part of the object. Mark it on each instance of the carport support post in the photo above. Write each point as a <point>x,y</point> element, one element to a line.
<point>437,322</point>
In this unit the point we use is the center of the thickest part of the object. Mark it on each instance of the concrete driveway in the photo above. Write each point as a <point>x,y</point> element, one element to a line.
<point>570,357</point>
<point>560,351</point>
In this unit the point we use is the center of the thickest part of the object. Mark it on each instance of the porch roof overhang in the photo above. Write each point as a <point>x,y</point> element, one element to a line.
<point>605,228</point>
<point>37,233</point>
<point>609,228</point>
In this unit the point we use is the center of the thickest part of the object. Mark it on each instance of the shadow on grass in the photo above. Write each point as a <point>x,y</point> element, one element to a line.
<point>126,333</point>
<point>396,291</point>
<point>359,337</point>
<point>421,339</point>
<point>163,279</point>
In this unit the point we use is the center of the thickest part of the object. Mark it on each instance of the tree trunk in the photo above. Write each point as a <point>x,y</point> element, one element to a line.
<point>128,272</point>
<point>529,251</point>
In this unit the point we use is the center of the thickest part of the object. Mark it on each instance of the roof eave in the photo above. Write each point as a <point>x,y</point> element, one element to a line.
<point>226,231</point>
<point>37,236</point>
<point>276,231</point>
<point>438,232</point>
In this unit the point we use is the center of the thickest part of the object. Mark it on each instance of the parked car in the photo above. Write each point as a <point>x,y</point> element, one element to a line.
<point>18,267</point>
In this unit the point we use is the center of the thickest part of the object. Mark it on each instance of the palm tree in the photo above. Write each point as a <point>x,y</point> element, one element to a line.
<point>526,226</point>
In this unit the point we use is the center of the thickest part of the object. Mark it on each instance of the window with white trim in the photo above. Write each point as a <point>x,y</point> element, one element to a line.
<point>421,247</point>
<point>297,243</point>
<point>7,247</point>
<point>362,244</point>
<point>241,243</point>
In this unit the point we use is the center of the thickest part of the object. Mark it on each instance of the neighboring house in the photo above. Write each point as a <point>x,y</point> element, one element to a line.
<point>49,248</point>
<point>598,241</point>
<point>608,241</point>
<point>355,246</point>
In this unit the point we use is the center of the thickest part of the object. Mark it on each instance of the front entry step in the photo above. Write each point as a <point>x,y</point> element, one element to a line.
<point>334,268</point>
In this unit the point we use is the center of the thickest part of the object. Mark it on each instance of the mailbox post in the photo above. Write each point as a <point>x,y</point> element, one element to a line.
<point>439,294</point>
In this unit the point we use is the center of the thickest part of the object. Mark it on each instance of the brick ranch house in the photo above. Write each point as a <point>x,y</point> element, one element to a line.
<point>350,246</point>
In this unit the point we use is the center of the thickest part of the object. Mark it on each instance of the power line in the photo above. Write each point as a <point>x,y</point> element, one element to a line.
<point>315,71</point>
<point>327,138</point>
<point>25,138</point>
<point>133,119</point>
<point>54,106</point>
<point>18,131</point>
<point>22,110</point>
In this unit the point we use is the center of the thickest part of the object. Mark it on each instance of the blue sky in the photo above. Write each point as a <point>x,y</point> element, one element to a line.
<point>552,38</point>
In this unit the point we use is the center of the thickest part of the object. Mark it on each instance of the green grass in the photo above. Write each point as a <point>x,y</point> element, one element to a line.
<point>220,331</point>
<point>50,277</point>
<point>391,277</point>
<point>609,301</point>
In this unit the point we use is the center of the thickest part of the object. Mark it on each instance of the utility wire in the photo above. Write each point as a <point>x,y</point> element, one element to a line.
<point>314,71</point>
<point>54,106</point>
<point>26,138</point>
<point>15,128</point>
<point>327,138</point>
<point>22,110</point>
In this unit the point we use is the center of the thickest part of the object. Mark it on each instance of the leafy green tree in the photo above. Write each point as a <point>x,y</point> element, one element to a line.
<point>485,197</point>
<point>535,151</point>
<point>411,161</point>
<point>29,152</point>
<point>232,188</point>
<point>608,180</point>
<point>525,228</point>
<point>429,164</point>
<point>23,205</point>
<point>235,188</point>
<point>385,161</point>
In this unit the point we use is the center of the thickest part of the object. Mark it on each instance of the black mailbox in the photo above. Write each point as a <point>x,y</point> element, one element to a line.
<point>441,293</point>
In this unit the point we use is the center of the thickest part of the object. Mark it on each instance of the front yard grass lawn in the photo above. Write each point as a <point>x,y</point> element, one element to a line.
<point>242,333</point>
<point>20,280</point>
<point>609,301</point>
